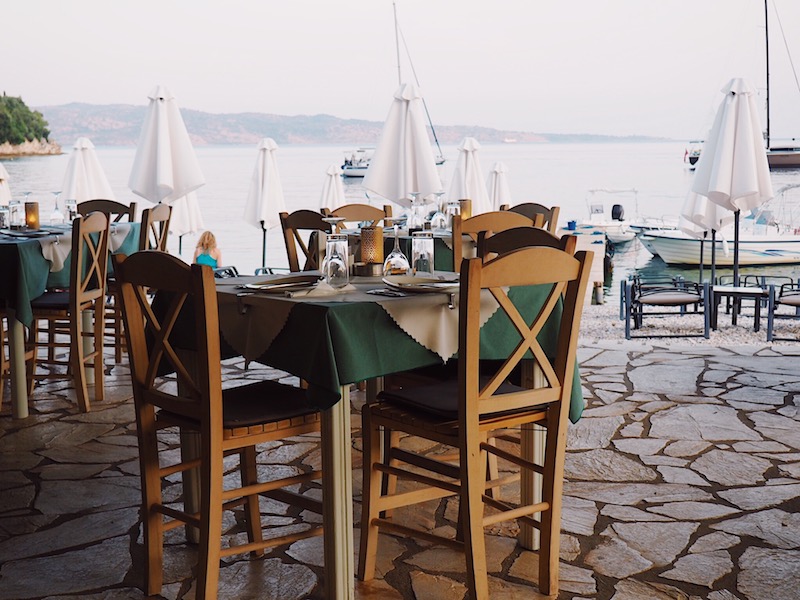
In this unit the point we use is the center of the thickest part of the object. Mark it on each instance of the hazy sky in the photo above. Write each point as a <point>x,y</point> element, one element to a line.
<point>565,66</point>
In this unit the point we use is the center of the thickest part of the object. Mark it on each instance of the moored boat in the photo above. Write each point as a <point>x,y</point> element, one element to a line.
<point>675,247</point>
<point>356,162</point>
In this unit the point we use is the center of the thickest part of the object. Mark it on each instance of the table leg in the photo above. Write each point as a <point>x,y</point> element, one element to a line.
<point>532,441</point>
<point>16,351</point>
<point>337,496</point>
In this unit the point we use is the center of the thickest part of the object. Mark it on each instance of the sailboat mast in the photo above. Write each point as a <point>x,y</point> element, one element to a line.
<point>397,43</point>
<point>766,53</point>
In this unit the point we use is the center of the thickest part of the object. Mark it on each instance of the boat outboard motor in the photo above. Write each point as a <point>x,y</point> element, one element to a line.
<point>617,213</point>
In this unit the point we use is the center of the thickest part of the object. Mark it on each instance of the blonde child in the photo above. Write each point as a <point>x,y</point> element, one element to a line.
<point>206,252</point>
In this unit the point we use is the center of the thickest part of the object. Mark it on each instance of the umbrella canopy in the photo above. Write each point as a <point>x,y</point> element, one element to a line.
<point>85,178</point>
<point>499,193</point>
<point>468,180</point>
<point>733,171</point>
<point>403,162</point>
<point>332,196</point>
<point>5,189</point>
<point>265,198</point>
<point>165,168</point>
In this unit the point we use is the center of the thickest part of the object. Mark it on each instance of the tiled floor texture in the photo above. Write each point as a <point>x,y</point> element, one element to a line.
<point>683,481</point>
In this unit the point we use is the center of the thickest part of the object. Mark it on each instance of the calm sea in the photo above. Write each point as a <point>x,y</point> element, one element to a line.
<point>561,174</point>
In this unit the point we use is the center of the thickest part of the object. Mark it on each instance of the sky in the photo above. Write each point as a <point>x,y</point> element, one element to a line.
<point>616,67</point>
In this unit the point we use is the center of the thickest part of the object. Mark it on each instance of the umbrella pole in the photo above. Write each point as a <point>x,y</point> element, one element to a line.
<point>263,245</point>
<point>180,245</point>
<point>736,248</point>
<point>702,243</point>
<point>713,257</point>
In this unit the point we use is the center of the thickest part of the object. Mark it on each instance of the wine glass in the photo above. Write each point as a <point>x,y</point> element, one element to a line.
<point>336,267</point>
<point>396,263</point>
<point>439,220</point>
<point>415,219</point>
<point>56,217</point>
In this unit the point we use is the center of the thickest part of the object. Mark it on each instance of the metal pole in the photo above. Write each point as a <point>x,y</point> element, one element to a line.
<point>713,257</point>
<point>766,55</point>
<point>736,248</point>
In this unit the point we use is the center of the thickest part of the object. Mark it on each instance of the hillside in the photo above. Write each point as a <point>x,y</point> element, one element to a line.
<point>120,124</point>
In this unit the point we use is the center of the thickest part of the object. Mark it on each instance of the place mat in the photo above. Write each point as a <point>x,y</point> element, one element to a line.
<point>429,320</point>
<point>56,248</point>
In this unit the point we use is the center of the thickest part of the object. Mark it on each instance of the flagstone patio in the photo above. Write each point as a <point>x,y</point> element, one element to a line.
<point>683,481</point>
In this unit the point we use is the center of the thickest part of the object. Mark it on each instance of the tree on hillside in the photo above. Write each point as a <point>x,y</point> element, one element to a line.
<point>18,123</point>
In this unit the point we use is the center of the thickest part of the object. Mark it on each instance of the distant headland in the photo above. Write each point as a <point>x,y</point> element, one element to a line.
<point>120,125</point>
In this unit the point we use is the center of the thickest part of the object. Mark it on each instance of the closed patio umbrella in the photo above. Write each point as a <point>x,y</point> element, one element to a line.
<point>5,189</point>
<point>499,193</point>
<point>85,178</point>
<point>403,161</point>
<point>265,199</point>
<point>468,180</point>
<point>332,196</point>
<point>733,171</point>
<point>165,168</point>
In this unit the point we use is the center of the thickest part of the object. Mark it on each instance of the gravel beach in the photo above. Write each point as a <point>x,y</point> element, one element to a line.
<point>601,323</point>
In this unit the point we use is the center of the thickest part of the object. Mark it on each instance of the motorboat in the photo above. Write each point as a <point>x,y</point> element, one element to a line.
<point>692,154</point>
<point>356,162</point>
<point>616,229</point>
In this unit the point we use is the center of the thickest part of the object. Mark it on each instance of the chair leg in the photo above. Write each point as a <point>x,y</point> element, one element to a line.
<point>371,493</point>
<point>153,522</point>
<point>492,470</point>
<point>391,439</point>
<point>771,313</point>
<point>99,331</point>
<point>78,362</point>
<point>552,488</point>
<point>211,473</point>
<point>247,458</point>
<point>473,473</point>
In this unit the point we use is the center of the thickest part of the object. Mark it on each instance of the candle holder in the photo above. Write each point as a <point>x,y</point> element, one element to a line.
<point>465,208</point>
<point>372,244</point>
<point>32,215</point>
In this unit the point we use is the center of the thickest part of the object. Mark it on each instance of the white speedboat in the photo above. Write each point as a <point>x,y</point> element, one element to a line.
<point>617,230</point>
<point>356,162</point>
<point>678,248</point>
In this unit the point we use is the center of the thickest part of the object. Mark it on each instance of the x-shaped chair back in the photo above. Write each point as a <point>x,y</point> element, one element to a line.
<point>90,256</point>
<point>115,211</point>
<point>482,226</point>
<point>155,228</point>
<point>358,213</point>
<point>295,226</point>
<point>532,210</point>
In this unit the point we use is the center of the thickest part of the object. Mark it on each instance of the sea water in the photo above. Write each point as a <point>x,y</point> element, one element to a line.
<point>551,174</point>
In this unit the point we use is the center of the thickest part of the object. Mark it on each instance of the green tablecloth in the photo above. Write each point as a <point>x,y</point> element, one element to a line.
<point>329,344</point>
<point>26,275</point>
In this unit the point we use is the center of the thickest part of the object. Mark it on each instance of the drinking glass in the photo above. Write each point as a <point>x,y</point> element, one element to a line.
<point>336,270</point>
<point>422,253</point>
<point>72,209</point>
<point>16,214</point>
<point>415,218</point>
<point>452,209</point>
<point>396,263</point>
<point>56,217</point>
<point>5,216</point>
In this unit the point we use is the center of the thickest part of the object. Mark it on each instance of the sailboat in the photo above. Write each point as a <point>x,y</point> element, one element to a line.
<point>357,162</point>
<point>779,157</point>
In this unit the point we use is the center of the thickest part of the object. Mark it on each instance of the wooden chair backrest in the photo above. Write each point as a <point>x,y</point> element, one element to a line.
<point>358,213</point>
<point>515,238</point>
<point>155,227</point>
<point>294,226</point>
<point>532,209</point>
<point>565,277</point>
<point>180,335</point>
<point>481,226</point>
<point>89,266</point>
<point>115,211</point>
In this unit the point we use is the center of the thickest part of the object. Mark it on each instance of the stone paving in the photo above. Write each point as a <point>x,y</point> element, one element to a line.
<point>683,481</point>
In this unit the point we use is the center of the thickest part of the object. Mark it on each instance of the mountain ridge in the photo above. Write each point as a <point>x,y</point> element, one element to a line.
<point>120,125</point>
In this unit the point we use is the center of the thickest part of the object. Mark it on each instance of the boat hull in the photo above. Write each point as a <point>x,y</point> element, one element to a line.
<point>354,171</point>
<point>753,250</point>
<point>783,158</point>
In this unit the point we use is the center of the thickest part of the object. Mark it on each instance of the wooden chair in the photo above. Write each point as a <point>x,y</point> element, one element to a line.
<point>515,238</point>
<point>5,359</point>
<point>115,211</point>
<point>179,333</point>
<point>357,213</point>
<point>462,414</point>
<point>155,227</point>
<point>87,289</point>
<point>482,226</point>
<point>642,297</point>
<point>294,226</point>
<point>533,209</point>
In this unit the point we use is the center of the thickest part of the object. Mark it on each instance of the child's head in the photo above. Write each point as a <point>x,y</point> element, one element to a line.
<point>207,241</point>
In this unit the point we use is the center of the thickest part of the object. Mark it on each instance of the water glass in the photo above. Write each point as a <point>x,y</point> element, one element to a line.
<point>16,217</point>
<point>336,268</point>
<point>72,209</point>
<point>5,217</point>
<point>422,253</point>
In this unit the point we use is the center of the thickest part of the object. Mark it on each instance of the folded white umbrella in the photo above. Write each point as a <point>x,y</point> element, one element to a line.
<point>403,161</point>
<point>265,199</point>
<point>499,193</point>
<point>85,178</point>
<point>468,180</point>
<point>165,168</point>
<point>5,189</point>
<point>733,171</point>
<point>332,196</point>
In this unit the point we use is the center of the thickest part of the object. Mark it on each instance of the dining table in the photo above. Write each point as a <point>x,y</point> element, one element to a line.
<point>332,338</point>
<point>32,262</point>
